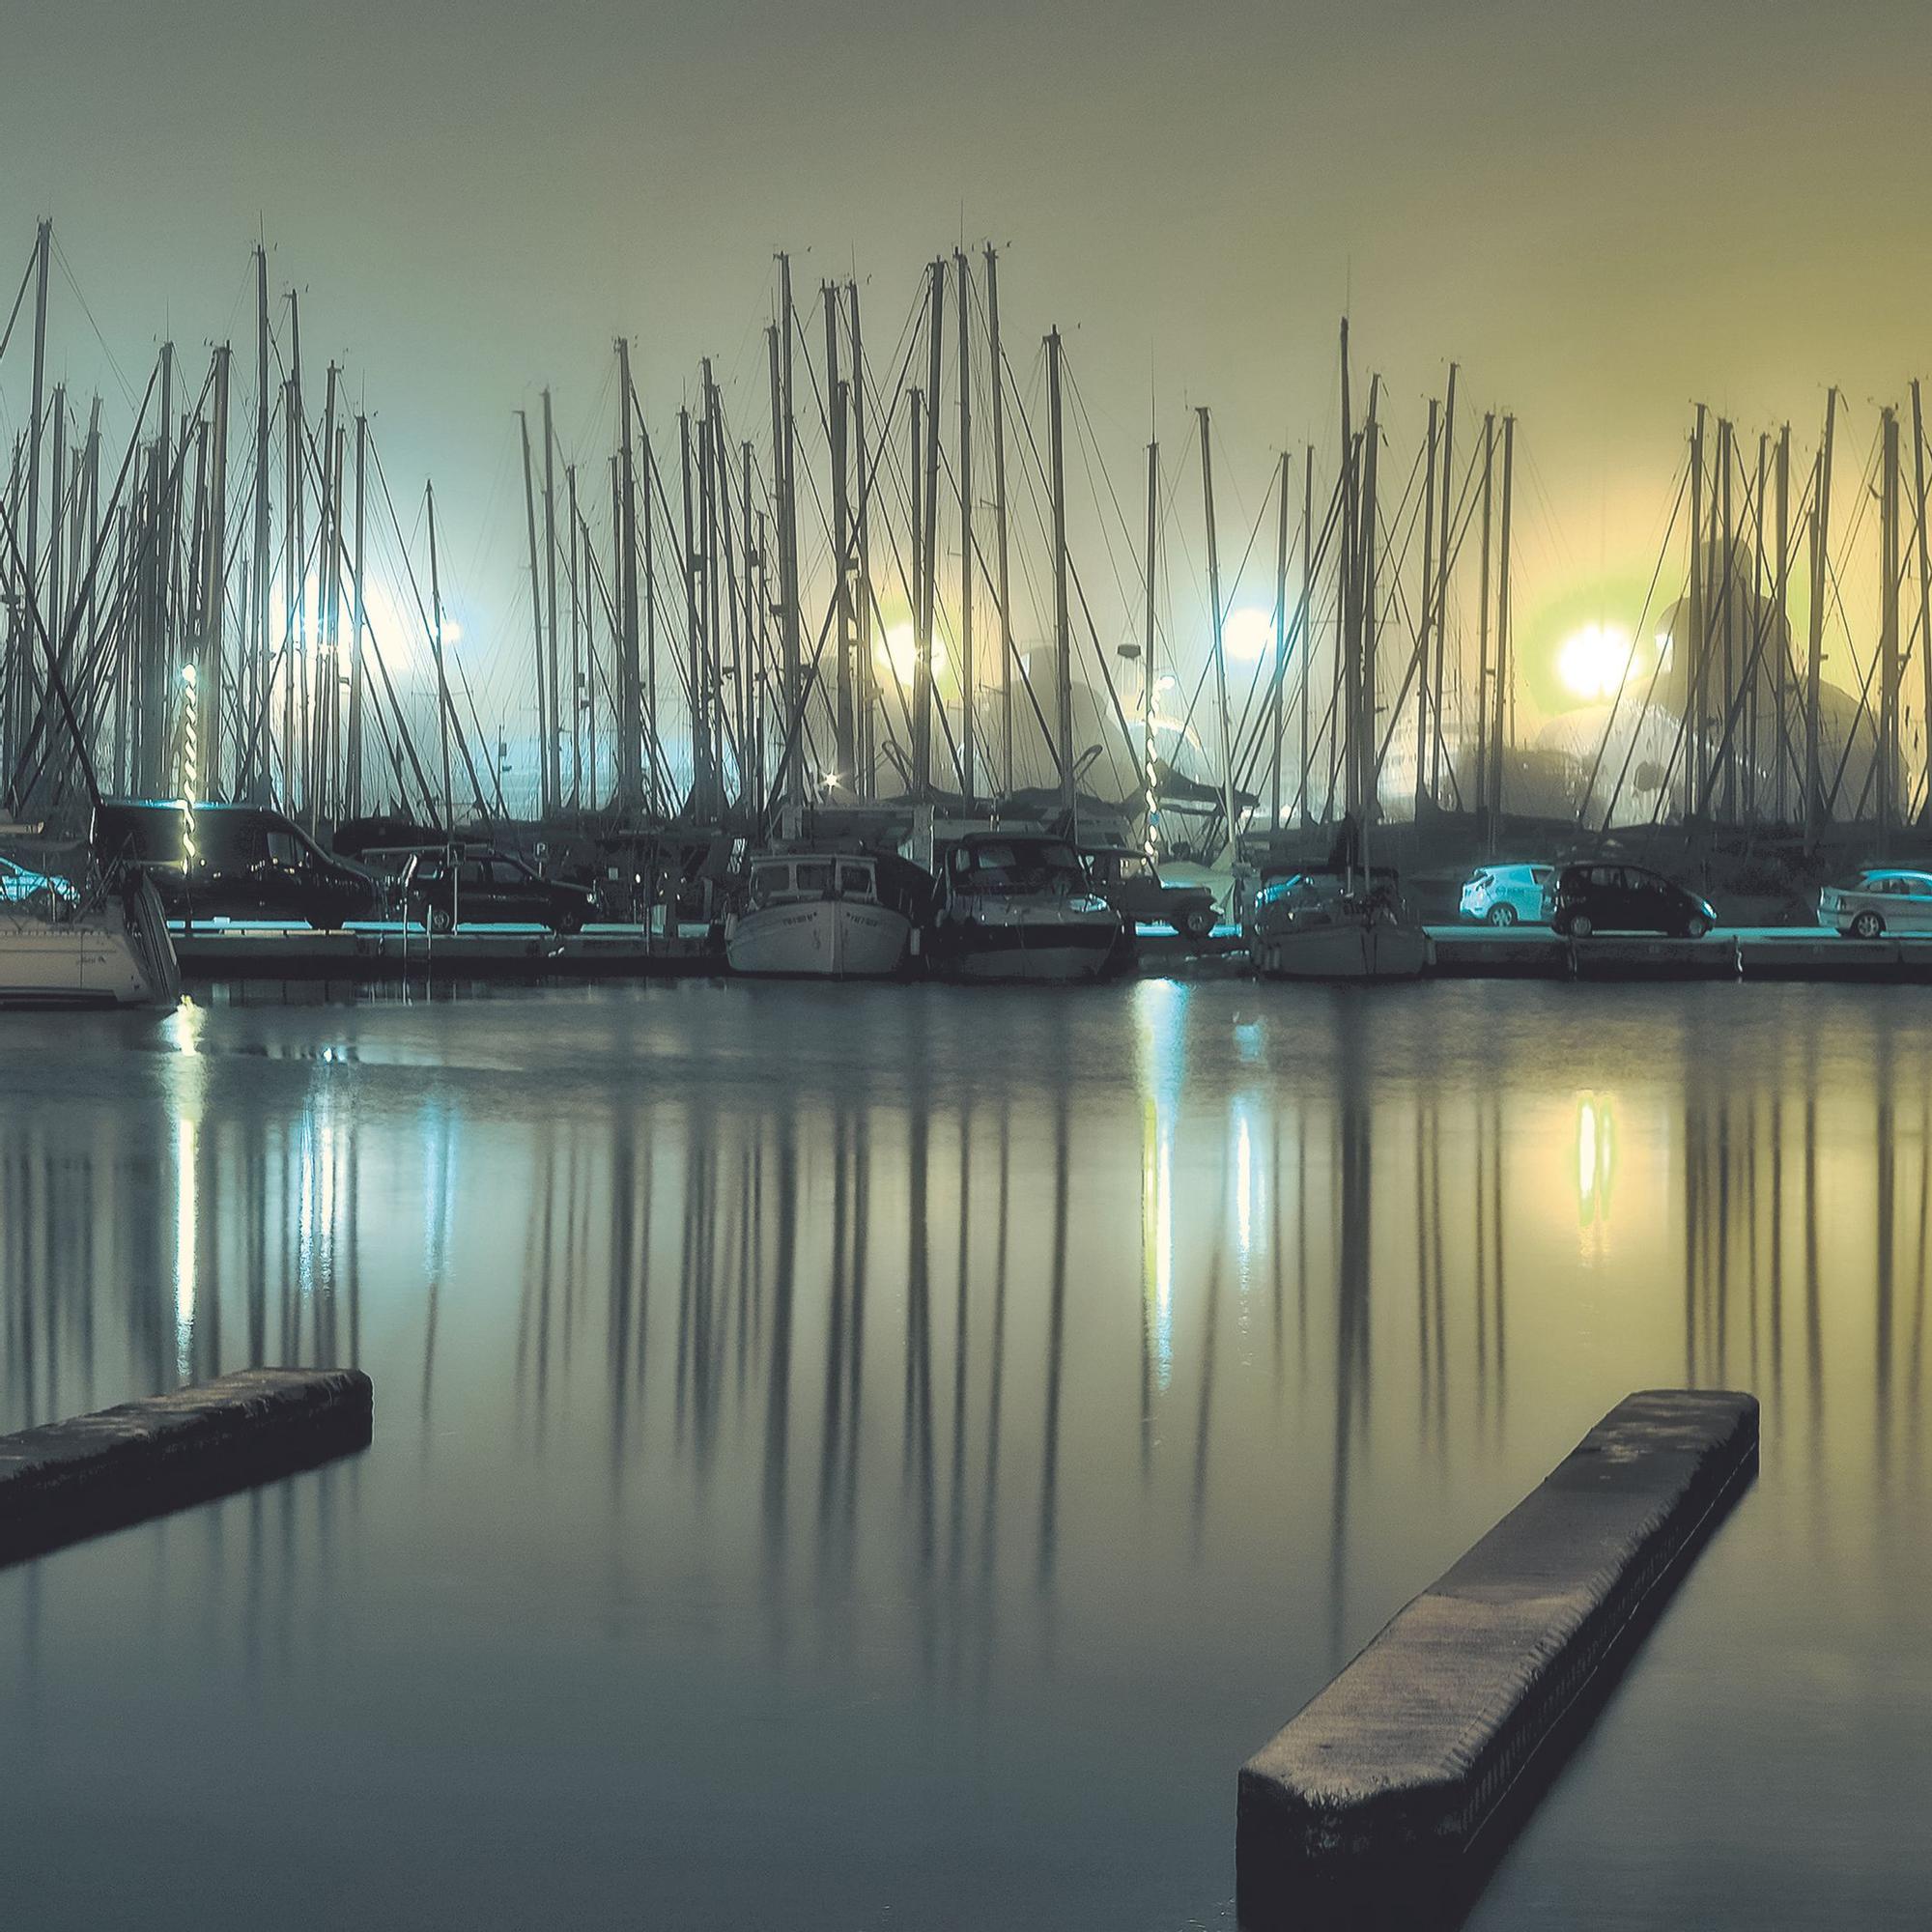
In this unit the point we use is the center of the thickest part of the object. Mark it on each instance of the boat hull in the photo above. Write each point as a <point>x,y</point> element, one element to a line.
<point>826,939</point>
<point>74,966</point>
<point>1372,953</point>
<point>1035,949</point>
<point>116,953</point>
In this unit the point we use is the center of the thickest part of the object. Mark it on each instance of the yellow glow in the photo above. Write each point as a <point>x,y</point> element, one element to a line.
<point>1596,660</point>
<point>1248,634</point>
<point>897,655</point>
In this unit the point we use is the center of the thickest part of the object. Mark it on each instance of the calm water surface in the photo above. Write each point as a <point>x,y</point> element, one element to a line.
<point>860,1459</point>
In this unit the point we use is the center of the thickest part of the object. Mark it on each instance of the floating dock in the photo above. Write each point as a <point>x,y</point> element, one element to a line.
<point>376,954</point>
<point>1732,953</point>
<point>66,1480</point>
<point>1386,1803</point>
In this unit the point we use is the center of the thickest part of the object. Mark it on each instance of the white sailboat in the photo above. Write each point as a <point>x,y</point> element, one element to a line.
<point>109,947</point>
<point>816,915</point>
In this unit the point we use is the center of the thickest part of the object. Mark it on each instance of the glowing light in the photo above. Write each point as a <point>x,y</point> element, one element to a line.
<point>1596,1158</point>
<point>1244,1192</point>
<point>1595,661</point>
<point>897,654</point>
<point>1248,634</point>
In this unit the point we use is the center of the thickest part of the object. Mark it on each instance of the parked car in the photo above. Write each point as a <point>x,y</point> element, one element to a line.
<point>1582,899</point>
<point>1878,900</point>
<point>1506,895</point>
<point>21,885</point>
<point>233,862</point>
<point>1130,884</point>
<point>491,889</point>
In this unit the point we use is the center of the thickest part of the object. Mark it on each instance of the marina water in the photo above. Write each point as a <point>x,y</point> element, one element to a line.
<point>882,1457</point>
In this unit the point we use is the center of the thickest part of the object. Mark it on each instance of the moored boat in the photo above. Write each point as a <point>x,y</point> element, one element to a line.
<point>105,946</point>
<point>1017,905</point>
<point>817,914</point>
<point>1335,922</point>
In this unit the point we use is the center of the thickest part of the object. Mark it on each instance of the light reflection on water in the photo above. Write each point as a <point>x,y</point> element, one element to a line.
<point>855,1456</point>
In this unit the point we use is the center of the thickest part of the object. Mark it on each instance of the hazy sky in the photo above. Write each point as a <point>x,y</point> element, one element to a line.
<point>1604,212</point>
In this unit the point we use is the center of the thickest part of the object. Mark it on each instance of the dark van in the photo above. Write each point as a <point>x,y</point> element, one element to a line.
<point>247,862</point>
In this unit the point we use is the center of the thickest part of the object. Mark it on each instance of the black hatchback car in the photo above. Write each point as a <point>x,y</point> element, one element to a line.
<point>491,889</point>
<point>1582,899</point>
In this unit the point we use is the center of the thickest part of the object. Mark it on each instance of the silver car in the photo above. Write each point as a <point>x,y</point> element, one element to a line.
<point>1878,900</point>
<point>1507,894</point>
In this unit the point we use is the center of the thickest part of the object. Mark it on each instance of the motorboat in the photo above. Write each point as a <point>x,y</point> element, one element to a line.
<point>1335,922</point>
<point>105,944</point>
<point>819,915</point>
<point>1018,905</point>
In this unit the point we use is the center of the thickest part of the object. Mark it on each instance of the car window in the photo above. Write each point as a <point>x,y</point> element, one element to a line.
<point>1541,874</point>
<point>504,872</point>
<point>284,848</point>
<point>470,872</point>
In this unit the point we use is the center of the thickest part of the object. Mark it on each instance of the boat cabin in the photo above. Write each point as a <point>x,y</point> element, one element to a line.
<point>788,880</point>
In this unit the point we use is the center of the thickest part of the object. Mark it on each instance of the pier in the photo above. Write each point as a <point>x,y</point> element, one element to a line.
<point>1386,1801</point>
<point>68,1480</point>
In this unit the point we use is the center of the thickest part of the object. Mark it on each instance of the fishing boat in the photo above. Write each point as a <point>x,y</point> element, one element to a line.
<point>819,915</point>
<point>108,946</point>
<point>1017,905</point>
<point>1335,922</point>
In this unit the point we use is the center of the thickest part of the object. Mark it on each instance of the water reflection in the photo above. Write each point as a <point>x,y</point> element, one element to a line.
<point>991,1344</point>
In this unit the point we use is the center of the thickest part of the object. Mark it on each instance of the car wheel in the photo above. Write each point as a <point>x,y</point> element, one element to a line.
<point>439,919</point>
<point>1197,923</point>
<point>1868,925</point>
<point>1696,926</point>
<point>1581,925</point>
<point>1502,914</point>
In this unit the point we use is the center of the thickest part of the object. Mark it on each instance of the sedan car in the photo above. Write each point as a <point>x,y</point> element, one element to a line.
<point>1583,899</point>
<point>1129,883</point>
<point>491,889</point>
<point>1505,894</point>
<point>1875,901</point>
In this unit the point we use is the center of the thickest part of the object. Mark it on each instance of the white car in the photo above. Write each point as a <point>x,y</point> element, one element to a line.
<point>1507,894</point>
<point>1878,901</point>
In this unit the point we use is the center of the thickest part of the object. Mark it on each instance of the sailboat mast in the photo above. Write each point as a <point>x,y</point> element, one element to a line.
<point>359,614</point>
<point>1003,586</point>
<point>1150,774</point>
<point>1924,579</point>
<point>1505,667</point>
<point>845,754</point>
<point>786,465</point>
<point>551,761</point>
<point>865,786</point>
<point>968,729</point>
<point>1277,681</point>
<point>624,540</point>
<point>1214,637</point>
<point>1442,549</point>
<point>1821,570</point>
<point>1062,631</point>
<point>441,677</point>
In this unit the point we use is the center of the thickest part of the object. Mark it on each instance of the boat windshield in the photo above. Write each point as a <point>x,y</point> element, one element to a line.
<point>855,881</point>
<point>1017,866</point>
